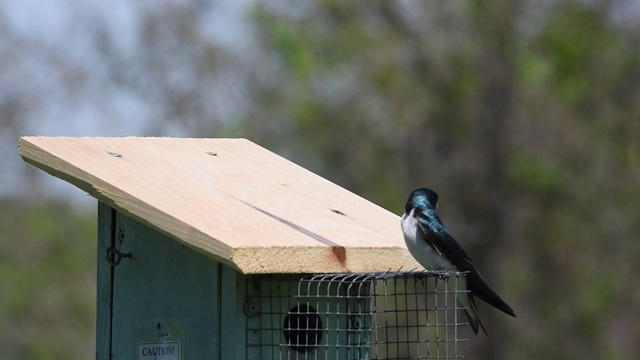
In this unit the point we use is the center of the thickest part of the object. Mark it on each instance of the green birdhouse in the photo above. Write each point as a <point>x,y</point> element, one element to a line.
<point>221,249</point>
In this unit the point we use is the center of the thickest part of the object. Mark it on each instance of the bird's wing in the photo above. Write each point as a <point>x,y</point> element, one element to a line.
<point>438,237</point>
<point>443,243</point>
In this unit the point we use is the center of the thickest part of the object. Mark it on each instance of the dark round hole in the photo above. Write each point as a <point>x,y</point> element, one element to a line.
<point>302,328</point>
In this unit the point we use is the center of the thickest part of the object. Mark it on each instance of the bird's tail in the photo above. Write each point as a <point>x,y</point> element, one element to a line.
<point>479,288</point>
<point>465,298</point>
<point>472,314</point>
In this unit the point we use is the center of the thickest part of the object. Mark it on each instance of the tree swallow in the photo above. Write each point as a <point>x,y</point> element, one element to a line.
<point>432,246</point>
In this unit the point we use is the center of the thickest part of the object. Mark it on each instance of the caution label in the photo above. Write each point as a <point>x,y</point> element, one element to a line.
<point>159,351</point>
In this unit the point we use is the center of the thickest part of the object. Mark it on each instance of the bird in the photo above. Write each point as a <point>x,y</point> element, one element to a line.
<point>434,248</point>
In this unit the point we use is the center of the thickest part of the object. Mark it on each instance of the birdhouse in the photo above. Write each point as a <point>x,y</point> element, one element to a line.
<point>221,249</point>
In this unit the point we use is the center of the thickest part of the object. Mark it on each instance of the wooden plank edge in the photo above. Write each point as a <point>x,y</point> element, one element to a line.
<point>322,259</point>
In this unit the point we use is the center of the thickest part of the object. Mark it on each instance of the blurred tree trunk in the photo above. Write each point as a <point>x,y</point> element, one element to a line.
<point>493,21</point>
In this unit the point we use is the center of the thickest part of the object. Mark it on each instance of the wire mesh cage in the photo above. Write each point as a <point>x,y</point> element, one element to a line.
<point>392,315</point>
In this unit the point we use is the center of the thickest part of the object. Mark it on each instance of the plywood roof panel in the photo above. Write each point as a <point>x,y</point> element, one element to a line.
<point>232,200</point>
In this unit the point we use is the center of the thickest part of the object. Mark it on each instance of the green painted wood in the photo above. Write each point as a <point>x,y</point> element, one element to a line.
<point>166,296</point>
<point>106,219</point>
<point>232,322</point>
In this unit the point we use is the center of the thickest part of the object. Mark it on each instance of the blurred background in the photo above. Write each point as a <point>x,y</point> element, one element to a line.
<point>523,115</point>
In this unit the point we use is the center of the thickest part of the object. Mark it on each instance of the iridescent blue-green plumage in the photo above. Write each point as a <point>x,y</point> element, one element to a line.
<point>433,247</point>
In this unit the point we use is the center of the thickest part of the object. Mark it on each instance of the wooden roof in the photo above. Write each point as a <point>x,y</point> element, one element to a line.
<point>232,200</point>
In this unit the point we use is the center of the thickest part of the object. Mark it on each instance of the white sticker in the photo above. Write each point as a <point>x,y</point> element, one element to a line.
<point>169,350</point>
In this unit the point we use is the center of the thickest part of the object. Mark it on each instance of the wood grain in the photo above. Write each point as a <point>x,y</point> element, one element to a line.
<point>230,199</point>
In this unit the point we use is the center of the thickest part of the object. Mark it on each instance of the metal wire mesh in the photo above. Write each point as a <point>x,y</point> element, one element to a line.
<point>392,315</point>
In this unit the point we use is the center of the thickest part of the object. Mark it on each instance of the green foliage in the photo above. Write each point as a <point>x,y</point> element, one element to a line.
<point>47,281</point>
<point>540,178</point>
<point>574,40</point>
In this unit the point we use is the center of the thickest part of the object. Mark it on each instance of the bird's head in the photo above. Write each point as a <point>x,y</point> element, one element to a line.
<point>423,198</point>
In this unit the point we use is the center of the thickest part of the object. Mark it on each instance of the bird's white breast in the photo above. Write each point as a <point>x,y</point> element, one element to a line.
<point>418,246</point>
